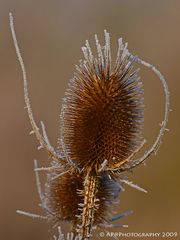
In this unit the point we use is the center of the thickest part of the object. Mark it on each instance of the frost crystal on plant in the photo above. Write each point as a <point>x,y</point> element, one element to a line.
<point>101,125</point>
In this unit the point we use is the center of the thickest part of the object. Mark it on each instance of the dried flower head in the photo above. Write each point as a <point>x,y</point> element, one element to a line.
<point>102,120</point>
<point>102,113</point>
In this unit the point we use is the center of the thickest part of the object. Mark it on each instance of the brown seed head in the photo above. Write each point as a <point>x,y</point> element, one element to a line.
<point>102,114</point>
<point>65,196</point>
<point>101,126</point>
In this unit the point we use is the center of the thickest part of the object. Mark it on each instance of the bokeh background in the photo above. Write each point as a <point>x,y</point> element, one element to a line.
<point>51,34</point>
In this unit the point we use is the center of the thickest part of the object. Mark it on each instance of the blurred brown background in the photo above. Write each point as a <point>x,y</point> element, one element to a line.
<point>51,34</point>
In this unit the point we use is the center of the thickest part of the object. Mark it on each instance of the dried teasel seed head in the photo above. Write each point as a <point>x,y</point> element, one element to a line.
<point>103,112</point>
<point>65,197</point>
<point>62,194</point>
<point>101,130</point>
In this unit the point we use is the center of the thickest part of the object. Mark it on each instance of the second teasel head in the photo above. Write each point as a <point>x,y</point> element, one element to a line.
<point>65,197</point>
<point>103,111</point>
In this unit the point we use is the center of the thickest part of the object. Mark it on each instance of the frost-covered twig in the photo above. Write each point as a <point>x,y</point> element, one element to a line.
<point>31,215</point>
<point>131,184</point>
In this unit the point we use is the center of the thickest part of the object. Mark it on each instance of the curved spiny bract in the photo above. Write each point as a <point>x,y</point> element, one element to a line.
<point>102,113</point>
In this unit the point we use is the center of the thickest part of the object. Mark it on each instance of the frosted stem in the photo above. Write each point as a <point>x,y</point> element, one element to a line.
<point>31,215</point>
<point>35,130</point>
